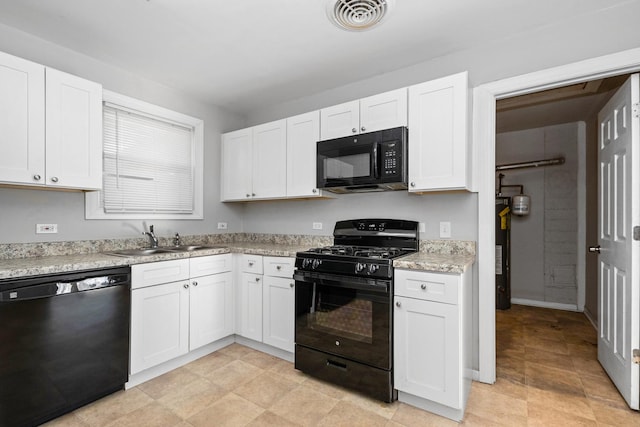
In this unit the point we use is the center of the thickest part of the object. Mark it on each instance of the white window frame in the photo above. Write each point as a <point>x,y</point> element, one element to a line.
<point>93,205</point>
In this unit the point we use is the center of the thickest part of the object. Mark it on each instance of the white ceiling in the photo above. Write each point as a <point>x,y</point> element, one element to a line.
<point>248,54</point>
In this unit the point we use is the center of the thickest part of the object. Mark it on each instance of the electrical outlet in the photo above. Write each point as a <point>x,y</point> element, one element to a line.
<point>445,229</point>
<point>422,227</point>
<point>222,226</point>
<point>46,228</point>
<point>317,226</point>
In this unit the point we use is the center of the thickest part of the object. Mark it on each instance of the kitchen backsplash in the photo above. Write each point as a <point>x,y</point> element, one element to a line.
<point>42,249</point>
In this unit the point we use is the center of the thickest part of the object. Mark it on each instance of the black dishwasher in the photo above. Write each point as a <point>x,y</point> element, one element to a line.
<point>64,342</point>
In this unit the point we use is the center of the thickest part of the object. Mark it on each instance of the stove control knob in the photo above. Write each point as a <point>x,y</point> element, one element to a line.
<point>306,262</point>
<point>360,267</point>
<point>316,263</point>
<point>373,268</point>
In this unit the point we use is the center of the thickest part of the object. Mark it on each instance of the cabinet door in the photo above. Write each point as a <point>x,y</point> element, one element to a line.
<point>210,309</point>
<point>438,134</point>
<point>427,360</point>
<point>278,306</point>
<point>159,324</point>
<point>340,120</point>
<point>22,121</point>
<point>236,166</point>
<point>270,160</point>
<point>73,131</point>
<point>384,111</point>
<point>303,134</point>
<point>250,306</point>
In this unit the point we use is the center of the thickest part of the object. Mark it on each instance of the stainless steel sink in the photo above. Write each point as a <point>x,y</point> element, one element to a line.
<point>139,252</point>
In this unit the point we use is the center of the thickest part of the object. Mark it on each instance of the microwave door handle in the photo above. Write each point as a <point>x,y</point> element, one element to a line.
<point>375,160</point>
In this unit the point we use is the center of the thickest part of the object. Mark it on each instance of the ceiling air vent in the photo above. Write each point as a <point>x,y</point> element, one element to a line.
<point>358,15</point>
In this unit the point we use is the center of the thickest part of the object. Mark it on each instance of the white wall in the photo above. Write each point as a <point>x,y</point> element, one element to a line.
<point>20,209</point>
<point>544,243</point>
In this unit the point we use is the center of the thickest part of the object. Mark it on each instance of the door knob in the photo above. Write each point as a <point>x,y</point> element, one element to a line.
<point>594,249</point>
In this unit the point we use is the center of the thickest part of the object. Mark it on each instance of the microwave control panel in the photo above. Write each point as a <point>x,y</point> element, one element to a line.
<point>391,159</point>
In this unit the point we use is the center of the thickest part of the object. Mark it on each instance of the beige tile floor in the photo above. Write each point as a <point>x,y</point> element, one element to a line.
<point>547,376</point>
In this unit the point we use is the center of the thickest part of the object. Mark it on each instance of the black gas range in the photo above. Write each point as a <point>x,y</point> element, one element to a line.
<point>344,316</point>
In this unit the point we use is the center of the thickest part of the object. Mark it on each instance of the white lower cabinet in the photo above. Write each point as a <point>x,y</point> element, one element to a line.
<point>250,304</point>
<point>432,342</point>
<point>278,303</point>
<point>159,324</point>
<point>170,319</point>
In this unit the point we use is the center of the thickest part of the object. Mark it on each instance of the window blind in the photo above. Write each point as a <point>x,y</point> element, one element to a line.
<point>148,163</point>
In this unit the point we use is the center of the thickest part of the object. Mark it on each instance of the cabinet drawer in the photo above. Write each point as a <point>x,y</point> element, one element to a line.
<point>206,265</point>
<point>278,266</point>
<point>155,273</point>
<point>251,263</point>
<point>438,287</point>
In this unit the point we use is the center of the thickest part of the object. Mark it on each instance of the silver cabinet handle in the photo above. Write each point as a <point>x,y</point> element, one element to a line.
<point>398,304</point>
<point>36,177</point>
<point>54,179</point>
<point>413,184</point>
<point>354,130</point>
<point>423,286</point>
<point>250,263</point>
<point>363,128</point>
<point>248,195</point>
<point>195,283</point>
<point>253,194</point>
<point>186,286</point>
<point>314,191</point>
<point>257,279</point>
<point>278,267</point>
<point>595,249</point>
<point>291,285</point>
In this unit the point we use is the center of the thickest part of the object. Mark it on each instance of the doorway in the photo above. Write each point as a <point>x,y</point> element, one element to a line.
<point>484,120</point>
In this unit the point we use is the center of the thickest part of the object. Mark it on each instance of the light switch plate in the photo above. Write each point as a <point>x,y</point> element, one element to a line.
<point>445,229</point>
<point>222,226</point>
<point>317,226</point>
<point>422,227</point>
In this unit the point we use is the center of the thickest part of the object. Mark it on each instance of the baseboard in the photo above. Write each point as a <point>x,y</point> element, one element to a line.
<point>265,348</point>
<point>593,319</point>
<point>544,304</point>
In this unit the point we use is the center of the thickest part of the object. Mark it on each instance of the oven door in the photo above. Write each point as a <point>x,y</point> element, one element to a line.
<point>345,316</point>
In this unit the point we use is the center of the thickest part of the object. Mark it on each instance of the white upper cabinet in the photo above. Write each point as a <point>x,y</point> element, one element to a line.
<point>236,165</point>
<point>438,112</point>
<point>21,121</point>
<point>269,160</point>
<point>254,162</point>
<point>303,134</point>
<point>73,131</point>
<point>377,112</point>
<point>53,140</point>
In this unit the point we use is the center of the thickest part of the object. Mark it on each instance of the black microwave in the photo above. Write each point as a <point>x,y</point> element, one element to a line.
<point>374,161</point>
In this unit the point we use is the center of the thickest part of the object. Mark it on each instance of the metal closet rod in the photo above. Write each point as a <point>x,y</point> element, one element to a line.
<point>531,164</point>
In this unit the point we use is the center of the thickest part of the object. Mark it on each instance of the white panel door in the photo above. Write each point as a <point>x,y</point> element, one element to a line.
<point>250,306</point>
<point>340,120</point>
<point>383,111</point>
<point>278,307</point>
<point>438,112</point>
<point>619,194</point>
<point>159,324</point>
<point>427,360</point>
<point>303,134</point>
<point>73,131</point>
<point>21,121</point>
<point>236,168</point>
<point>210,309</point>
<point>270,160</point>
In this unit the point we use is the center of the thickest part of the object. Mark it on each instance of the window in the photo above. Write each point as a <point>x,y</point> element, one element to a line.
<point>152,163</point>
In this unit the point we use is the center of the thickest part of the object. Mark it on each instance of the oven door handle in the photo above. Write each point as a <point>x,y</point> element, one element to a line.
<point>346,282</point>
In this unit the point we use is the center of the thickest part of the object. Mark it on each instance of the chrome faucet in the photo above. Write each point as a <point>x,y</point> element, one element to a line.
<point>152,237</point>
<point>176,240</point>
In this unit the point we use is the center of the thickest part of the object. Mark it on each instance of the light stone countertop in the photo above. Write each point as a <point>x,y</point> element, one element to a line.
<point>33,266</point>
<point>436,262</point>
